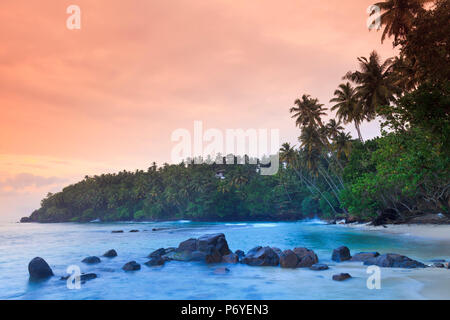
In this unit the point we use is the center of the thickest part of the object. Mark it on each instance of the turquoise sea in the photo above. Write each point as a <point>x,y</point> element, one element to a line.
<point>67,244</point>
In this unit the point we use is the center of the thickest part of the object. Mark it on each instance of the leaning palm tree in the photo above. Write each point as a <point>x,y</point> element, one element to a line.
<point>307,111</point>
<point>348,106</point>
<point>398,17</point>
<point>312,143</point>
<point>375,82</point>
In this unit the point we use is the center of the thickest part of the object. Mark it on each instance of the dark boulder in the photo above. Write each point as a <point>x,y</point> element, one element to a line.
<point>155,261</point>
<point>39,269</point>
<point>364,256</point>
<point>230,258</point>
<point>131,266</point>
<point>88,276</point>
<point>341,277</point>
<point>217,241</point>
<point>260,256</point>
<point>288,259</point>
<point>25,220</point>
<point>341,254</point>
<point>117,231</point>
<point>134,230</point>
<point>392,260</point>
<point>277,250</point>
<point>91,260</point>
<point>319,267</point>
<point>213,255</point>
<point>188,245</point>
<point>438,265</point>
<point>306,257</point>
<point>110,253</point>
<point>240,254</point>
<point>157,253</point>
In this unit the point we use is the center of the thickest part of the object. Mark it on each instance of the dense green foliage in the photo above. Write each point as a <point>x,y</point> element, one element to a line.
<point>403,173</point>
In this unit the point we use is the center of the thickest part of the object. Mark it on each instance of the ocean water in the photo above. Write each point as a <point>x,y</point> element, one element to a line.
<point>62,245</point>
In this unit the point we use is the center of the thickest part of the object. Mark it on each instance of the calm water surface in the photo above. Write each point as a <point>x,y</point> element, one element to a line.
<point>67,244</point>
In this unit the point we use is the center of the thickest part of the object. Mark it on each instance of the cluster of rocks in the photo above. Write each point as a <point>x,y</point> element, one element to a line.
<point>213,248</point>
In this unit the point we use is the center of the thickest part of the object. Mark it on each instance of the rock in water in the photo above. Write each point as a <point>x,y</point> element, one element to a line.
<point>260,256</point>
<point>134,230</point>
<point>110,253</point>
<point>39,269</point>
<point>117,231</point>
<point>91,260</point>
<point>131,266</point>
<point>364,256</point>
<point>230,258</point>
<point>341,277</point>
<point>157,253</point>
<point>214,240</point>
<point>209,248</point>
<point>392,260</point>
<point>288,259</point>
<point>155,261</point>
<point>306,257</point>
<point>88,276</point>
<point>341,254</point>
<point>319,267</point>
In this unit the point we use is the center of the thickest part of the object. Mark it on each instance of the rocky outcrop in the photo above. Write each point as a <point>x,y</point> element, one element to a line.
<point>39,269</point>
<point>91,260</point>
<point>341,277</point>
<point>306,257</point>
<point>364,256</point>
<point>131,266</point>
<point>26,220</point>
<point>341,254</point>
<point>261,256</point>
<point>319,267</point>
<point>110,253</point>
<point>392,260</point>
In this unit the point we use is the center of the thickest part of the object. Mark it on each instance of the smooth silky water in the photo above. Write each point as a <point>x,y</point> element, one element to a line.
<point>67,244</point>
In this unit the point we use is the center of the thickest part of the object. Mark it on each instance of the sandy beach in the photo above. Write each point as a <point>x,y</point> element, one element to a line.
<point>437,232</point>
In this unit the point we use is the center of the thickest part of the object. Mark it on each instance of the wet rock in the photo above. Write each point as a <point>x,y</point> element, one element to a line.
<point>230,258</point>
<point>91,260</point>
<point>213,255</point>
<point>157,253</point>
<point>240,254</point>
<point>83,277</point>
<point>341,277</point>
<point>221,271</point>
<point>188,245</point>
<point>217,241</point>
<point>341,254</point>
<point>392,260</point>
<point>306,257</point>
<point>261,256</point>
<point>438,265</point>
<point>134,230</point>
<point>131,266</point>
<point>277,250</point>
<point>38,269</point>
<point>110,253</point>
<point>364,256</point>
<point>25,220</point>
<point>288,259</point>
<point>319,267</point>
<point>155,261</point>
<point>117,231</point>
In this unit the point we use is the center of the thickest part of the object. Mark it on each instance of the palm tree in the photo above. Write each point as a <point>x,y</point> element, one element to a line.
<point>312,143</point>
<point>333,128</point>
<point>342,144</point>
<point>288,155</point>
<point>398,16</point>
<point>348,106</point>
<point>375,82</point>
<point>307,111</point>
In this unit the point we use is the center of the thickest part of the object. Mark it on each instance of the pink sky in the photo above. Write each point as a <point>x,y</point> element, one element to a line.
<point>107,97</point>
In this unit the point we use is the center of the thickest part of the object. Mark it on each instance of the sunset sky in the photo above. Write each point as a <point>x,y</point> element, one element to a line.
<point>107,97</point>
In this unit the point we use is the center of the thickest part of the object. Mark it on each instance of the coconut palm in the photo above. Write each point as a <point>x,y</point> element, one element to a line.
<point>342,144</point>
<point>333,128</point>
<point>288,154</point>
<point>398,16</point>
<point>307,111</point>
<point>375,82</point>
<point>348,106</point>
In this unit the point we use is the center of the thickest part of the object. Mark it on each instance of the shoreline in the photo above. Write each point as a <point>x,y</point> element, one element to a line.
<point>428,231</point>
